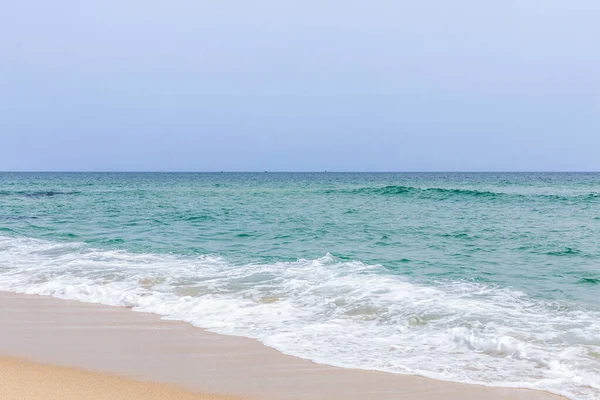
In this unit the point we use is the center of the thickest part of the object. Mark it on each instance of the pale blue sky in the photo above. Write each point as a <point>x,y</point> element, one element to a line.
<point>306,85</point>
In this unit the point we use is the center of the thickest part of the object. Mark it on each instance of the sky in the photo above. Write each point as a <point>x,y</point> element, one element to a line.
<point>311,85</point>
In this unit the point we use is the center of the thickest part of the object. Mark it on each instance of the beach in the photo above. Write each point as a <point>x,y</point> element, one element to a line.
<point>27,380</point>
<point>301,285</point>
<point>300,200</point>
<point>112,352</point>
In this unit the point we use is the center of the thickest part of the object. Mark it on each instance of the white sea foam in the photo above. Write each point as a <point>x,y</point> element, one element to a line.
<point>335,312</point>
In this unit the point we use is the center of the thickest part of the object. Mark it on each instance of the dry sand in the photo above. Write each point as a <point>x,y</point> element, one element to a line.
<point>22,380</point>
<point>142,346</point>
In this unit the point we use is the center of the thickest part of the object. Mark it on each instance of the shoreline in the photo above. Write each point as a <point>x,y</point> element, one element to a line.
<point>141,346</point>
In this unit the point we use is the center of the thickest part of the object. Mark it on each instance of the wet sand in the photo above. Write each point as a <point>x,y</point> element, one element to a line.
<point>138,346</point>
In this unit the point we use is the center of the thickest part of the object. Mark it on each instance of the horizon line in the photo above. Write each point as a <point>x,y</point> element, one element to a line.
<point>298,172</point>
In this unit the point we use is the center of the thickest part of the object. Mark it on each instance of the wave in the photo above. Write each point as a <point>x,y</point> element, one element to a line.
<point>446,193</point>
<point>391,190</point>
<point>35,194</point>
<point>332,311</point>
<point>590,281</point>
<point>567,251</point>
<point>16,217</point>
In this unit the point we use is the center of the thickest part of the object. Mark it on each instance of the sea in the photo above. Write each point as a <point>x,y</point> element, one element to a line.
<point>488,278</point>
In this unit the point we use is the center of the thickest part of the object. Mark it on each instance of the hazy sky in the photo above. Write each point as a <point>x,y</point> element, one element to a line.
<point>300,85</point>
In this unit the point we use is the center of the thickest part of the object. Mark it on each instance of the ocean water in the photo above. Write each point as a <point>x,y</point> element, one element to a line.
<point>486,278</point>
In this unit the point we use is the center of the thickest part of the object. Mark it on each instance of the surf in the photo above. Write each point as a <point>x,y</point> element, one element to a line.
<point>344,313</point>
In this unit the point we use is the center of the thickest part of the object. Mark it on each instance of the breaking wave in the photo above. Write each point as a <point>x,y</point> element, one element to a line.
<point>339,312</point>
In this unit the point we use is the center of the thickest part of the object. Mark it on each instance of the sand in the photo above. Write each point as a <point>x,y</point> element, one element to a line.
<point>138,346</point>
<point>22,380</point>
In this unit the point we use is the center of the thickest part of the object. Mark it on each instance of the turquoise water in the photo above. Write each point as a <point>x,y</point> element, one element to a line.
<point>476,277</point>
